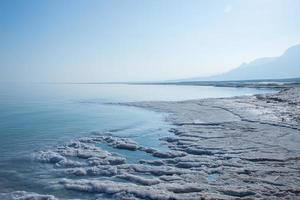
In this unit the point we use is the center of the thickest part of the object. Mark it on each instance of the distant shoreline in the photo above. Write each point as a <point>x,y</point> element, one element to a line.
<point>259,83</point>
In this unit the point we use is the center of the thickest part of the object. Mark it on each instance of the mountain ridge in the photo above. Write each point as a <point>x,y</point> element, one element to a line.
<point>285,66</point>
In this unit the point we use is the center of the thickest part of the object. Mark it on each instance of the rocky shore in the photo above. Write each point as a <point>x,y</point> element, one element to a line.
<point>227,148</point>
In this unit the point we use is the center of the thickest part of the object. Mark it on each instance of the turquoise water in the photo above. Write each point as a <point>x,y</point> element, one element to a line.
<point>39,116</point>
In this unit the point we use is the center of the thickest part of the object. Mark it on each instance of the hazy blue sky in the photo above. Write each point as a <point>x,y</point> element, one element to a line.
<point>116,40</point>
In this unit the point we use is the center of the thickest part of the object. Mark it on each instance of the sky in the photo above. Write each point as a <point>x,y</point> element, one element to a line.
<point>139,40</point>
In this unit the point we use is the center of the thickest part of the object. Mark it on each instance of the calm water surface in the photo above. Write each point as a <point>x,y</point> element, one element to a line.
<point>39,116</point>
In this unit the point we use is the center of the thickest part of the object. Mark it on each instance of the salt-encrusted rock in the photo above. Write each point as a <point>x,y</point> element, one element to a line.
<point>147,149</point>
<point>237,192</point>
<point>156,170</point>
<point>127,146</point>
<point>169,154</point>
<point>102,171</point>
<point>86,140</point>
<point>199,151</point>
<point>49,156</point>
<point>152,162</point>
<point>69,163</point>
<point>170,178</point>
<point>188,164</point>
<point>120,143</point>
<point>184,188</point>
<point>94,161</point>
<point>91,171</point>
<point>116,160</point>
<point>114,188</point>
<point>170,139</point>
<point>78,171</point>
<point>22,195</point>
<point>81,150</point>
<point>139,179</point>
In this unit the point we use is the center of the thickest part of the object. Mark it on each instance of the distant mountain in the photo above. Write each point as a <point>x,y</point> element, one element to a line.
<point>285,66</point>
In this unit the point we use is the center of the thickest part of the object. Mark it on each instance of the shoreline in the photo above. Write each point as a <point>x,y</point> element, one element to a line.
<point>259,131</point>
<point>243,147</point>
